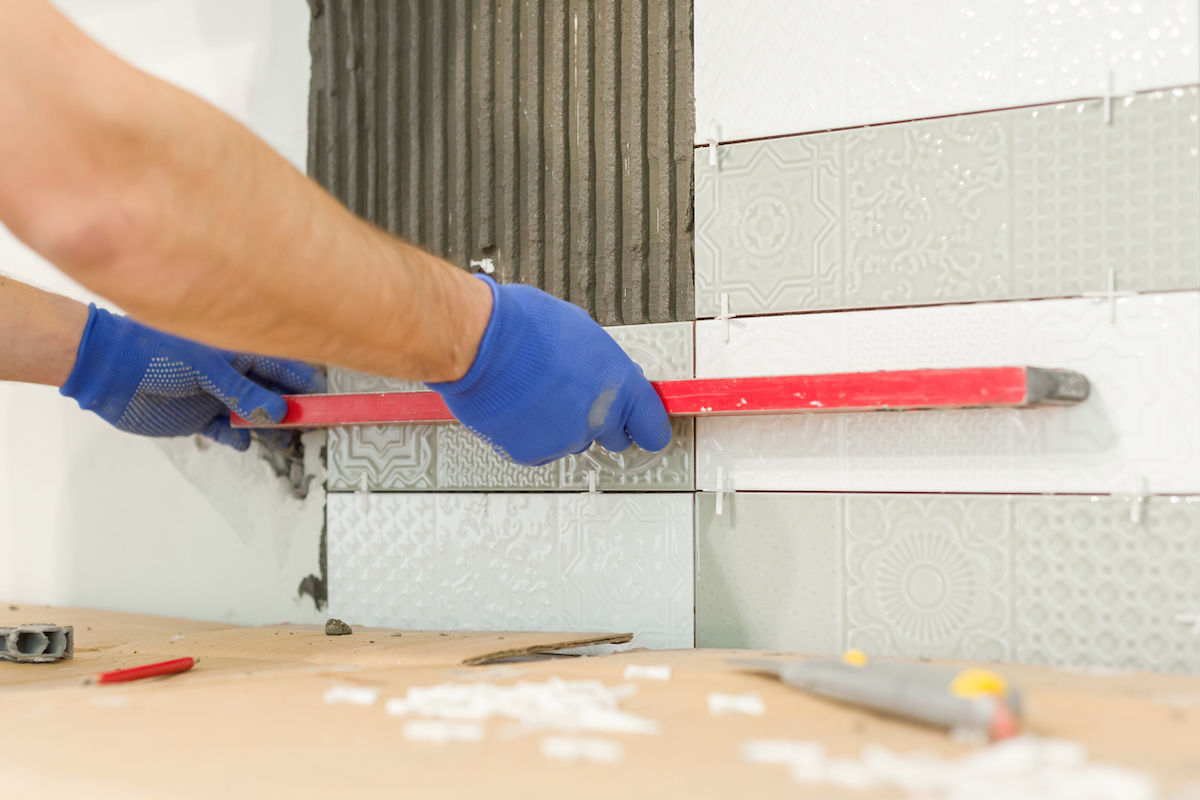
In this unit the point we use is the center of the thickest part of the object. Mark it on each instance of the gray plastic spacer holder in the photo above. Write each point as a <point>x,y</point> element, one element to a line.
<point>37,644</point>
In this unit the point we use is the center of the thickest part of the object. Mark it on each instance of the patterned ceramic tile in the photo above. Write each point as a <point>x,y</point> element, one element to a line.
<point>346,381</point>
<point>775,67</point>
<point>1138,427</point>
<point>927,576</point>
<point>1092,587</point>
<point>515,562</point>
<point>1062,580</point>
<point>450,458</point>
<point>1033,202</point>
<point>629,566</point>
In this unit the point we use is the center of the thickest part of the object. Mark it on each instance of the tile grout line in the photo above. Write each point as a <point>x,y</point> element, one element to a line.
<point>936,117</point>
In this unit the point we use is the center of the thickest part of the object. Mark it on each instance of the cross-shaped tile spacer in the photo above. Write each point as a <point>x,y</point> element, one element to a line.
<point>724,317</point>
<point>1109,92</point>
<point>1111,295</point>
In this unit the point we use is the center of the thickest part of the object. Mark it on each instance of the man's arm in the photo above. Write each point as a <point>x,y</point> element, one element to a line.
<point>149,196</point>
<point>139,379</point>
<point>156,200</point>
<point>40,332</point>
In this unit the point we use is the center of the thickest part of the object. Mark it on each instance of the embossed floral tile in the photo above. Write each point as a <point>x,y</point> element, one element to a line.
<point>616,562</point>
<point>1061,580</point>
<point>1048,201</point>
<point>778,67</point>
<point>449,457</point>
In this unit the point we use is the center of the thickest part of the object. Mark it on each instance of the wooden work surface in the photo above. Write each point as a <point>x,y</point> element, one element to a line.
<point>249,720</point>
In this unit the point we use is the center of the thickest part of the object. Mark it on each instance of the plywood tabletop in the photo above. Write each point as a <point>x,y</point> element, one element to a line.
<point>250,718</point>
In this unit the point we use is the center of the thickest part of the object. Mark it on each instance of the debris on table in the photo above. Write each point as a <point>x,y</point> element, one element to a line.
<point>335,627</point>
<point>750,703</point>
<point>353,695</point>
<point>1024,766</point>
<point>582,748</point>
<point>584,705</point>
<point>650,672</point>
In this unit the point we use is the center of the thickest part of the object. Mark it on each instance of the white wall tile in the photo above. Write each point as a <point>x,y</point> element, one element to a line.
<point>769,572</point>
<point>1139,425</point>
<point>774,67</point>
<point>629,566</point>
<point>515,562</point>
<point>1061,580</point>
<point>1036,202</point>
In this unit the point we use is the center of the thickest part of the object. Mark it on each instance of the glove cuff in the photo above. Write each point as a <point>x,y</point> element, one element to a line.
<point>512,356</point>
<point>94,361</point>
<point>487,343</point>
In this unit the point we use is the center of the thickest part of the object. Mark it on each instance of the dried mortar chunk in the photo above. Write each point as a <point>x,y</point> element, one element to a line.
<point>335,627</point>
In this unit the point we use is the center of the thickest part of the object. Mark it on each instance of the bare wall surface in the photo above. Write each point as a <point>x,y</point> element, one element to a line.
<point>91,516</point>
<point>553,137</point>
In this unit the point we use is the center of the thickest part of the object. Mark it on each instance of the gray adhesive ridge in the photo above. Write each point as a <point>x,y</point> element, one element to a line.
<point>37,643</point>
<point>553,137</point>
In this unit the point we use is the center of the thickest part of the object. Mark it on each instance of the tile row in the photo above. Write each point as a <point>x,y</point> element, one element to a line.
<point>451,458</point>
<point>776,67</point>
<point>509,561</point>
<point>1066,581</point>
<point>1046,201</point>
<point>1138,432</point>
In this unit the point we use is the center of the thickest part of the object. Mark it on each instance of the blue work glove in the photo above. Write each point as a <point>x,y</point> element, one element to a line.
<point>548,381</point>
<point>154,384</point>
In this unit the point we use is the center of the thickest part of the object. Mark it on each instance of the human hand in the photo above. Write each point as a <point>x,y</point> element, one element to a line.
<point>151,383</point>
<point>548,381</point>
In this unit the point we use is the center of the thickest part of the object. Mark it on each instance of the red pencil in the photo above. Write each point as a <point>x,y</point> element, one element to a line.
<point>147,671</point>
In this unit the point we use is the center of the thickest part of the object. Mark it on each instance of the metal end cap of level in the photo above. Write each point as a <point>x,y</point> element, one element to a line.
<point>1055,387</point>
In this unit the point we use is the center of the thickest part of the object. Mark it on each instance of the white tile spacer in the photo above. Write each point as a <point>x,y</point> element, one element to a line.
<point>712,143</point>
<point>1136,510</point>
<point>750,703</point>
<point>1110,295</point>
<point>720,491</point>
<point>1190,619</point>
<point>650,672</point>
<point>364,491</point>
<point>485,264</point>
<point>1109,92</point>
<point>593,478</point>
<point>724,317</point>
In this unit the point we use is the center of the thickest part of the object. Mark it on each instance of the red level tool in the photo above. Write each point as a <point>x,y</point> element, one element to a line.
<point>973,387</point>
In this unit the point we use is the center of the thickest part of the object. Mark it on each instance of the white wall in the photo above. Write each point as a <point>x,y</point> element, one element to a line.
<point>94,517</point>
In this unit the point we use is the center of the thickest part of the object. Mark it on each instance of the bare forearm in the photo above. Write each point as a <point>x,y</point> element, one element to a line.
<point>40,334</point>
<point>154,199</point>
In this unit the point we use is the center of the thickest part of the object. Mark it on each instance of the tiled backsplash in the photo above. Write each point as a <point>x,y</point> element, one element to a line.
<point>516,561</point>
<point>996,182</point>
<point>1138,432</point>
<point>1066,580</point>
<point>451,458</point>
<point>1026,203</point>
<point>775,67</point>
